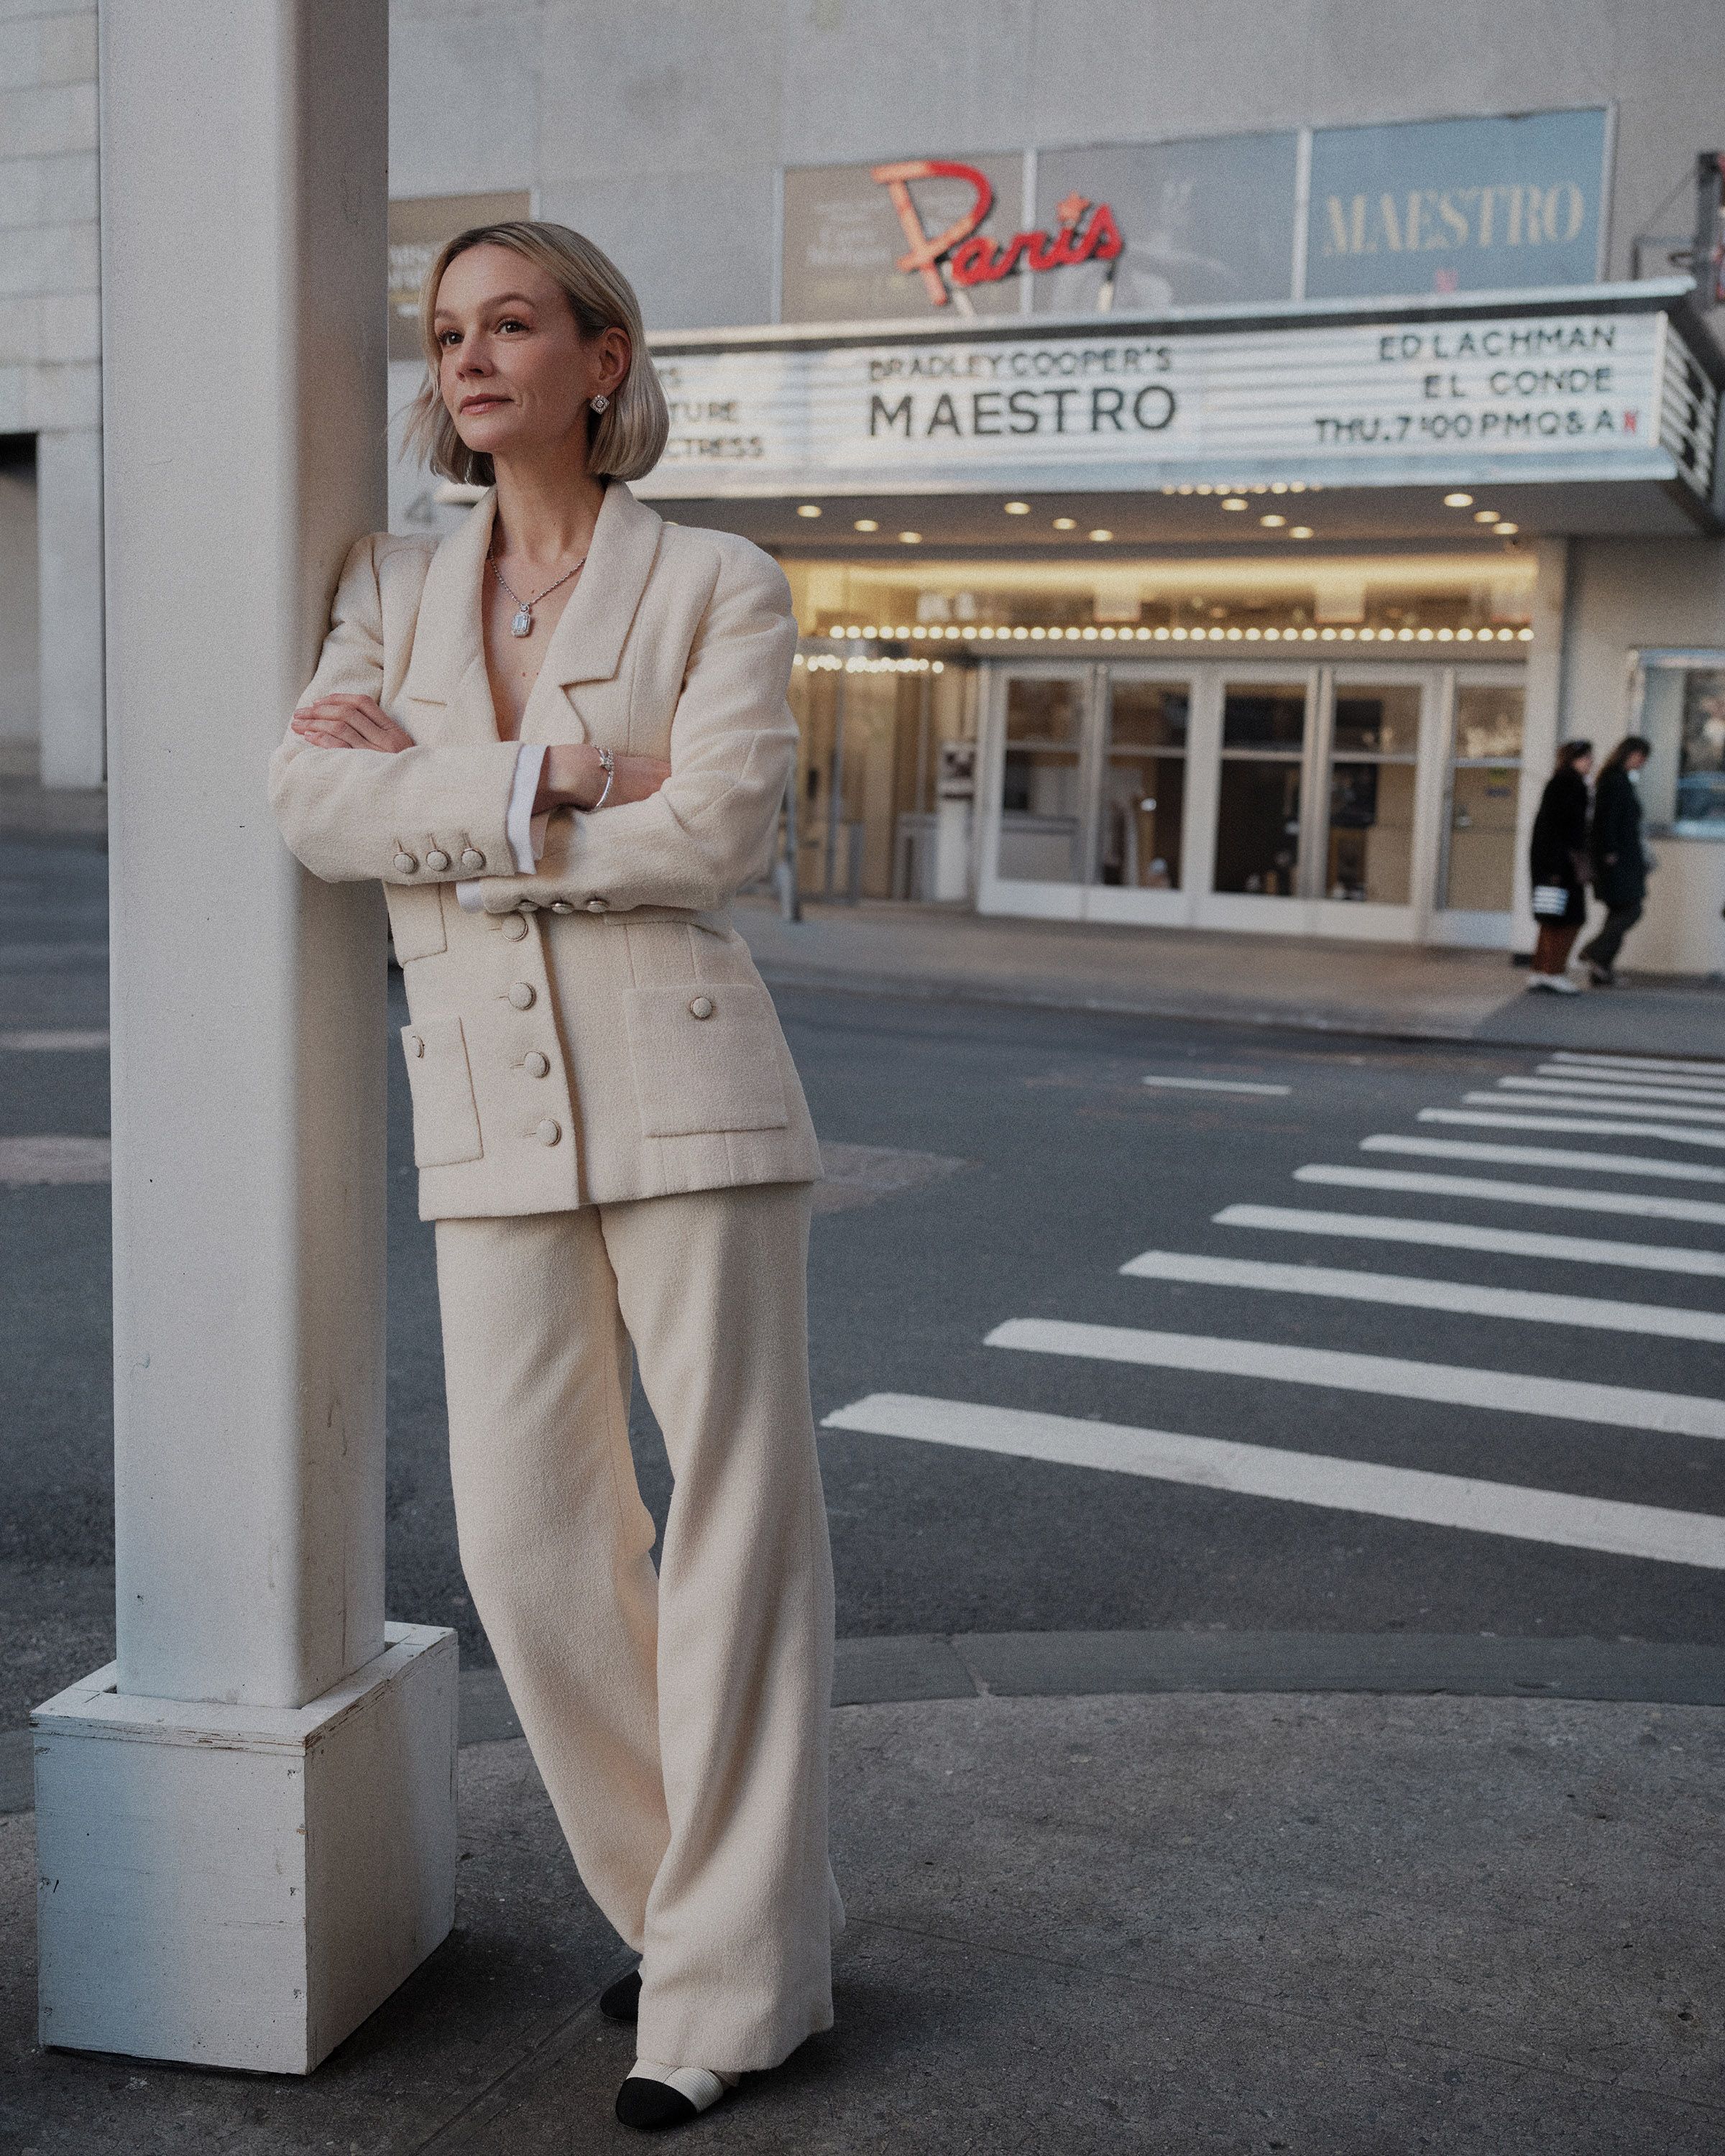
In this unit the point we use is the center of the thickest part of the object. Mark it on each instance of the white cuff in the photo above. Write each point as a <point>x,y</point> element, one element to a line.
<point>519,821</point>
<point>470,895</point>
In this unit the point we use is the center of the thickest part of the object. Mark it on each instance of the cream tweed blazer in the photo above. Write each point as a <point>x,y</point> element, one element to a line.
<point>599,1032</point>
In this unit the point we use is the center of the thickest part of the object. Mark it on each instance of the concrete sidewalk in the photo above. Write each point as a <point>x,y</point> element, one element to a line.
<point>1220,1920</point>
<point>1376,989</point>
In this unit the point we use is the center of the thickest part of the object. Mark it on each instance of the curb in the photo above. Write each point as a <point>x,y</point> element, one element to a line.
<point>901,1669</point>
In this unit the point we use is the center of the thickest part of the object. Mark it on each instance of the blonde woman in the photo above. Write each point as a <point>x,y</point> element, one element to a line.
<point>559,740</point>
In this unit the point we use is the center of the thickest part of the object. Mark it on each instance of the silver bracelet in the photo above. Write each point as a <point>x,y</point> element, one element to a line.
<point>608,765</point>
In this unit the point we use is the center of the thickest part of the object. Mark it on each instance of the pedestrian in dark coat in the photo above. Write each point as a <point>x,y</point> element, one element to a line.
<point>1619,856</point>
<point>1558,859</point>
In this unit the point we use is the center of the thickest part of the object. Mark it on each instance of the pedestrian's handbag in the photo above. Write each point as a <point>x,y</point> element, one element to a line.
<point>1551,902</point>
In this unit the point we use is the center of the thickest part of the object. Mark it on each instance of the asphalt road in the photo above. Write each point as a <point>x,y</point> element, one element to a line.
<point>1049,1165</point>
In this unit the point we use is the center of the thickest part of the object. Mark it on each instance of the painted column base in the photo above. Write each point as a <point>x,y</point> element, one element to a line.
<point>241,1886</point>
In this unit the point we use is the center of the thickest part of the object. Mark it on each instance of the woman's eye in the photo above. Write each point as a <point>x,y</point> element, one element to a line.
<point>511,323</point>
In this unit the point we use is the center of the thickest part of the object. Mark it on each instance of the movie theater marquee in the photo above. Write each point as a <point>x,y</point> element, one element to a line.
<point>1588,394</point>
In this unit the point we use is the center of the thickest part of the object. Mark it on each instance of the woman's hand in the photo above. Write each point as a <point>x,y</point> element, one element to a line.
<point>350,722</point>
<point>573,775</point>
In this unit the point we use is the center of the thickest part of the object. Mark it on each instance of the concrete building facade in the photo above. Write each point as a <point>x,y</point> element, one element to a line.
<point>1113,684</point>
<point>50,395</point>
<point>1239,656</point>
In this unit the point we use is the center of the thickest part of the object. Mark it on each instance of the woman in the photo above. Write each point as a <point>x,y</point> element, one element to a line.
<point>1557,858</point>
<point>1619,856</point>
<point>560,739</point>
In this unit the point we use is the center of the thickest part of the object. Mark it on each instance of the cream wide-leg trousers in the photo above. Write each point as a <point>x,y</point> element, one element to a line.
<point>679,1719</point>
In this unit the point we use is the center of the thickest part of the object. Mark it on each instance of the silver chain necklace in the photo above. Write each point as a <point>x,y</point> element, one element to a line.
<point>522,626</point>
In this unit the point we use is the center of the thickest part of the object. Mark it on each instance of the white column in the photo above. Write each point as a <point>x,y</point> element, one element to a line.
<point>68,544</point>
<point>247,1819</point>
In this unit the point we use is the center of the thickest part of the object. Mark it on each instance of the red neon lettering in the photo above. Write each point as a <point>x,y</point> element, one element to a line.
<point>927,249</point>
<point>972,257</point>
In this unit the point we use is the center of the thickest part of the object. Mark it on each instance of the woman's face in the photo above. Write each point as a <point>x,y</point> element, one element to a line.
<point>1584,765</point>
<point>514,370</point>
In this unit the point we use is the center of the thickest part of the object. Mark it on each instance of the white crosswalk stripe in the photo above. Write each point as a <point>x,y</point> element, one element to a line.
<point>1671,1083</point>
<point>1612,1094</point>
<point>1298,1478</point>
<point>1216,1085</point>
<point>1676,1415</point>
<point>1676,1106</point>
<point>1573,1056</point>
<point>1661,1110</point>
<point>1633,1203</point>
<point>1407,1291</point>
<point>1506,1242</point>
<point>1600,1127</point>
<point>1598,1164</point>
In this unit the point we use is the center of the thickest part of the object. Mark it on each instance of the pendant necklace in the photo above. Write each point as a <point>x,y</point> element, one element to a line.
<point>523,624</point>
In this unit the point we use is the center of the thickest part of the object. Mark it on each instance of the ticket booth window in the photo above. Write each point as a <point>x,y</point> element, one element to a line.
<point>1680,707</point>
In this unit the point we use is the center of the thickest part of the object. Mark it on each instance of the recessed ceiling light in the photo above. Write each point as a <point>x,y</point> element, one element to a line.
<point>1485,515</point>
<point>1301,531</point>
<point>1274,523</point>
<point>866,524</point>
<point>1102,535</point>
<point>1458,501</point>
<point>1234,501</point>
<point>1017,508</point>
<point>912,538</point>
<point>809,509</point>
<point>1066,524</point>
<point>1506,530</point>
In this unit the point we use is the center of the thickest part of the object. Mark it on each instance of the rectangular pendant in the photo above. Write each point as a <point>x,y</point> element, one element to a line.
<point>522,626</point>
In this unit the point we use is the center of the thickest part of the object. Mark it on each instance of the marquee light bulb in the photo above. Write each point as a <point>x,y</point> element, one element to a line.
<point>1506,530</point>
<point>1066,524</point>
<point>809,509</point>
<point>865,524</point>
<point>911,538</point>
<point>1017,508</point>
<point>1273,523</point>
<point>1487,516</point>
<point>1234,501</point>
<point>1458,501</point>
<point>1102,535</point>
<point>1301,531</point>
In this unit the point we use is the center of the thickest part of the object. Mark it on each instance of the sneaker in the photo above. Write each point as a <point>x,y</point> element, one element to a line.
<point>1560,984</point>
<point>1542,981</point>
<point>1602,977</point>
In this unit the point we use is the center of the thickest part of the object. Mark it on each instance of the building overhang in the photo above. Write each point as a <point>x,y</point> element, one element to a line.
<point>1593,411</point>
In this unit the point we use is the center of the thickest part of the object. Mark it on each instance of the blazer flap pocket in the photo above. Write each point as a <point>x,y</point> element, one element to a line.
<point>416,921</point>
<point>707,1058</point>
<point>446,1127</point>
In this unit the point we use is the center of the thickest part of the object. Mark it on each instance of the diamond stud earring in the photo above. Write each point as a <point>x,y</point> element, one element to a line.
<point>601,402</point>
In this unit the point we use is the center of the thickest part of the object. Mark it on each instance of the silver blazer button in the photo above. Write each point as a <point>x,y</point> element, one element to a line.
<point>549,1133</point>
<point>522,995</point>
<point>702,1007</point>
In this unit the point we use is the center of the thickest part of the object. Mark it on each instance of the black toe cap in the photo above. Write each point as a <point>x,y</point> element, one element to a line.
<point>652,2105</point>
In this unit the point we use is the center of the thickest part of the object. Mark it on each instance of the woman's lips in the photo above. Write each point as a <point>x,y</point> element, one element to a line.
<point>480,403</point>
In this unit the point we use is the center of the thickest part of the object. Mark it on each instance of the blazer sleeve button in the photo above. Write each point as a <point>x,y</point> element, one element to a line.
<point>405,863</point>
<point>515,926</point>
<point>598,906</point>
<point>561,905</point>
<point>521,994</point>
<point>473,859</point>
<point>702,1007</point>
<point>549,1133</point>
<point>437,860</point>
<point>536,1065</point>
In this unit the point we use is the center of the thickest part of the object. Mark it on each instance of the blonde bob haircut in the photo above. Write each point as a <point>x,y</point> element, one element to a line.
<point>625,440</point>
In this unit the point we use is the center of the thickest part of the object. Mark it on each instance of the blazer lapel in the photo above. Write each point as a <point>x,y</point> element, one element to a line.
<point>586,645</point>
<point>446,678</point>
